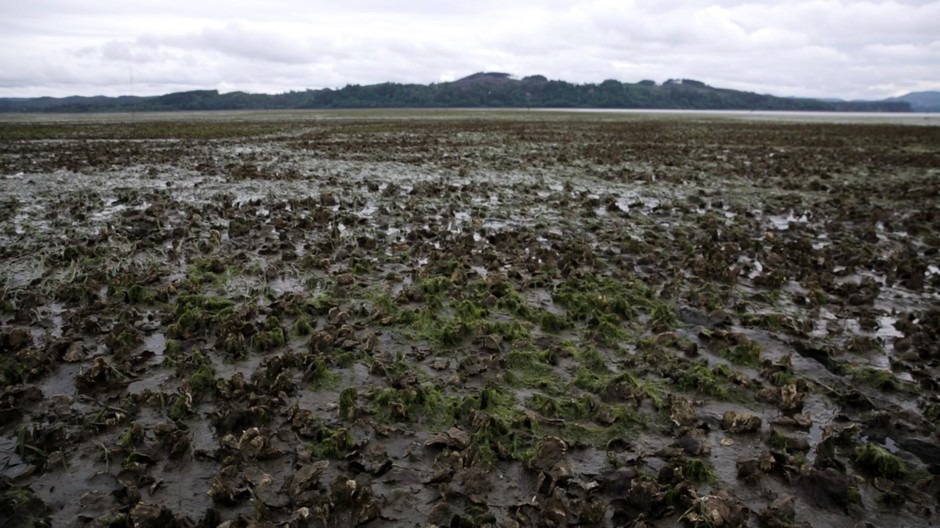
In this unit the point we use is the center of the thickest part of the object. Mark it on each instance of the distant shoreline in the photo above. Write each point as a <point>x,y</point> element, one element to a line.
<point>911,118</point>
<point>793,116</point>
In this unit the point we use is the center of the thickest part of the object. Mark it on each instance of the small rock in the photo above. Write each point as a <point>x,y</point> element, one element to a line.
<point>735,422</point>
<point>749,470</point>
<point>307,478</point>
<point>446,463</point>
<point>555,509</point>
<point>644,496</point>
<point>927,451</point>
<point>492,342</point>
<point>769,395</point>
<point>225,487</point>
<point>550,451</point>
<point>472,482</point>
<point>619,480</point>
<point>791,400</point>
<point>779,514</point>
<point>692,317</point>
<point>253,444</point>
<point>98,376</point>
<point>826,488</point>
<point>327,199</point>
<point>718,509</point>
<point>265,492</point>
<point>719,318</point>
<point>682,412</point>
<point>357,498</point>
<point>440,514</point>
<point>372,459</point>
<point>789,444</point>
<point>693,443</point>
<point>146,515</point>
<point>75,352</point>
<point>16,339</point>
<point>440,364</point>
<point>454,438</point>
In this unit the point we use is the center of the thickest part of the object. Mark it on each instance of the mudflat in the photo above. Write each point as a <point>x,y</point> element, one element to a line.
<point>468,319</point>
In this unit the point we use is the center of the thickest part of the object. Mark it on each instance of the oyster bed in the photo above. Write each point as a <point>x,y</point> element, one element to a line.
<point>468,319</point>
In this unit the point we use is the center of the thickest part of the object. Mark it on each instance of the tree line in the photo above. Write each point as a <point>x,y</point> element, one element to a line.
<point>480,90</point>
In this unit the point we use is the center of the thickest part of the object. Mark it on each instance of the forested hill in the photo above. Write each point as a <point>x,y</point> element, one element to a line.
<point>480,90</point>
<point>921,101</point>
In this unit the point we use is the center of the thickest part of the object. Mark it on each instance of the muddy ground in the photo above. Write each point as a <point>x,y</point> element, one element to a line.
<point>463,319</point>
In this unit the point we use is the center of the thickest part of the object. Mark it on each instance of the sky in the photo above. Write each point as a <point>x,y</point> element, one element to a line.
<point>804,48</point>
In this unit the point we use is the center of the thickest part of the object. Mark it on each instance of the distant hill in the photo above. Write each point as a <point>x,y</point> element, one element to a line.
<point>480,90</point>
<point>920,101</point>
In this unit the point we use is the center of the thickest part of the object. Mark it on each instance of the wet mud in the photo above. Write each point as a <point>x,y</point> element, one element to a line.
<point>462,319</point>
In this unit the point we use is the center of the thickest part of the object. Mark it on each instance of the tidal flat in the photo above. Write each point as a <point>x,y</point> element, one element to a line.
<point>466,318</point>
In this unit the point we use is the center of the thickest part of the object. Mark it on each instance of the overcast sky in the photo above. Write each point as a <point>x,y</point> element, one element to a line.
<point>815,48</point>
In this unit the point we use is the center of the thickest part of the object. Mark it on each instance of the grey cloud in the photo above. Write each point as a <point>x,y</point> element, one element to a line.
<point>803,47</point>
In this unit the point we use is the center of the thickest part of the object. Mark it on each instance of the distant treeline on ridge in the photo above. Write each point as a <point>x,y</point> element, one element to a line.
<point>480,90</point>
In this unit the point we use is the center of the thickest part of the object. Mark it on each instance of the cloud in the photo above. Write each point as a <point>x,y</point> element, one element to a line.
<point>868,49</point>
<point>237,39</point>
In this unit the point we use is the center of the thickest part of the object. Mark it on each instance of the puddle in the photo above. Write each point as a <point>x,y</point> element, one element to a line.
<point>783,222</point>
<point>822,413</point>
<point>61,381</point>
<point>11,465</point>
<point>283,285</point>
<point>156,343</point>
<point>156,382</point>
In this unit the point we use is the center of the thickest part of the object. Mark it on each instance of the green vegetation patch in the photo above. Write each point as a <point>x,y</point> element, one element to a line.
<point>878,461</point>
<point>197,315</point>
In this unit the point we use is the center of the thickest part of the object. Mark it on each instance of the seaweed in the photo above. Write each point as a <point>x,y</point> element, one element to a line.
<point>877,461</point>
